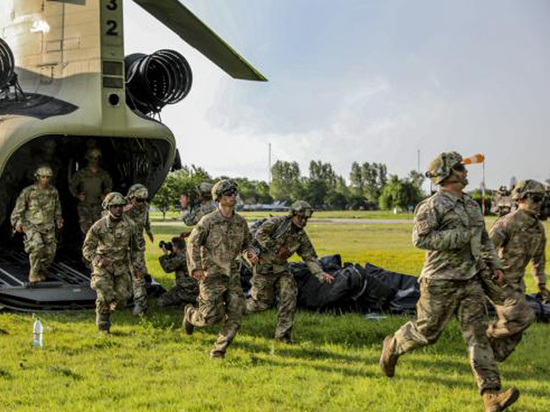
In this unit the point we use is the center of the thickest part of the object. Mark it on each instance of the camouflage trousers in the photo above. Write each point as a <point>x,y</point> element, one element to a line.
<point>221,299</point>
<point>113,290</point>
<point>267,285</point>
<point>139,283</point>
<point>439,301</point>
<point>88,214</point>
<point>184,291</point>
<point>514,317</point>
<point>41,247</point>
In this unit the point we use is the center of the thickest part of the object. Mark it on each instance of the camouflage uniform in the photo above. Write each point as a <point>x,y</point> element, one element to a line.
<point>140,216</point>
<point>94,185</point>
<point>39,211</point>
<point>192,217</point>
<point>213,246</point>
<point>452,230</point>
<point>519,238</point>
<point>186,288</point>
<point>115,240</point>
<point>272,274</point>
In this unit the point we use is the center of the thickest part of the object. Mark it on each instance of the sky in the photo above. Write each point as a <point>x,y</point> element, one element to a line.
<point>385,81</point>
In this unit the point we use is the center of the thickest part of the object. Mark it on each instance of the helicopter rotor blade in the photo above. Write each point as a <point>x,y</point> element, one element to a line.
<point>190,28</point>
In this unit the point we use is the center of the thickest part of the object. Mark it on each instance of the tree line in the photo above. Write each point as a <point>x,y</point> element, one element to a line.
<point>370,187</point>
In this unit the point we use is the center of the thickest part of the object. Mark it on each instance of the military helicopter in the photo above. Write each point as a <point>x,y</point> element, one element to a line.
<point>66,85</point>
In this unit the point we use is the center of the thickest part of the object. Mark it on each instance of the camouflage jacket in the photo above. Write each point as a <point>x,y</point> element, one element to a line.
<point>192,217</point>
<point>140,216</point>
<point>93,185</point>
<point>117,242</point>
<point>519,238</point>
<point>216,242</point>
<point>452,230</point>
<point>176,262</point>
<point>277,232</point>
<point>37,208</point>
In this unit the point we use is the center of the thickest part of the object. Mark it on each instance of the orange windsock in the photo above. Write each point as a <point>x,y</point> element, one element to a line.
<point>477,158</point>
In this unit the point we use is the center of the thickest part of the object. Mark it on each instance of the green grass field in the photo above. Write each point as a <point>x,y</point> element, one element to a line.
<point>333,366</point>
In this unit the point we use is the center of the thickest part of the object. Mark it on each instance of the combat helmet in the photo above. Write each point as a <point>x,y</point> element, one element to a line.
<point>526,187</point>
<point>301,208</point>
<point>113,199</point>
<point>205,189</point>
<point>93,153</point>
<point>441,167</point>
<point>44,171</point>
<point>138,191</point>
<point>221,187</point>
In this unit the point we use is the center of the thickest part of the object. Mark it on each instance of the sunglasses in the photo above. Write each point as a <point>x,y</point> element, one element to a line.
<point>140,200</point>
<point>536,198</point>
<point>230,193</point>
<point>459,167</point>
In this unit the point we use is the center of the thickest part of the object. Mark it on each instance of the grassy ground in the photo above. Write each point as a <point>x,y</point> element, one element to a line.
<point>152,365</point>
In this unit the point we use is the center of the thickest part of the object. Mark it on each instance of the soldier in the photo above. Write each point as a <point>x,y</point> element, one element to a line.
<point>449,225</point>
<point>278,239</point>
<point>138,210</point>
<point>186,288</point>
<point>519,238</point>
<point>110,247</point>
<point>206,206</point>
<point>37,213</point>
<point>90,185</point>
<point>215,243</point>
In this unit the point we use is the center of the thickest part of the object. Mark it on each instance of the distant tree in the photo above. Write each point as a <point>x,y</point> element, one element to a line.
<point>285,181</point>
<point>322,171</point>
<point>375,177</point>
<point>402,194</point>
<point>416,178</point>
<point>184,181</point>
<point>315,192</point>
<point>356,179</point>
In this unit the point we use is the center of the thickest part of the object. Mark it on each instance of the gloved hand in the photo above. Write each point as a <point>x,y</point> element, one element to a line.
<point>544,293</point>
<point>283,253</point>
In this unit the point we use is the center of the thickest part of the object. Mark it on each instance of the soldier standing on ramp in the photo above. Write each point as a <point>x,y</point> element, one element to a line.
<point>215,243</point>
<point>519,238</point>
<point>37,213</point>
<point>111,246</point>
<point>138,210</point>
<point>279,238</point>
<point>449,225</point>
<point>90,185</point>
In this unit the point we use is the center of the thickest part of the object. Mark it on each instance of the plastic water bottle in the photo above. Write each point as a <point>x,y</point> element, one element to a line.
<point>37,331</point>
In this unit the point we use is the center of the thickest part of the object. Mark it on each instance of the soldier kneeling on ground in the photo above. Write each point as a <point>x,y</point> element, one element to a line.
<point>174,259</point>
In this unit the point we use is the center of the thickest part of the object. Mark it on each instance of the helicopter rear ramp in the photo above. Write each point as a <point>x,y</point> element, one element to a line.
<point>67,284</point>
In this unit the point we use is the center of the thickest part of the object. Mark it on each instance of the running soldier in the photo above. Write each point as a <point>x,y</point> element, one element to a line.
<point>90,185</point>
<point>110,247</point>
<point>278,239</point>
<point>215,243</point>
<point>519,238</point>
<point>206,205</point>
<point>174,260</point>
<point>449,225</point>
<point>37,214</point>
<point>137,209</point>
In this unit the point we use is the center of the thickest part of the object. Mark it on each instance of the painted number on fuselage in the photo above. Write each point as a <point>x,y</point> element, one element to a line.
<point>112,31</point>
<point>112,5</point>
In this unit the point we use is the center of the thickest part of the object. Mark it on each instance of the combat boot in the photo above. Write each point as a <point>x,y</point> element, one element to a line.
<point>42,276</point>
<point>34,277</point>
<point>187,325</point>
<point>285,339</point>
<point>496,401</point>
<point>139,309</point>
<point>388,359</point>
<point>217,354</point>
